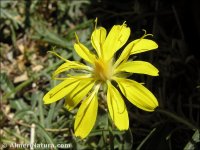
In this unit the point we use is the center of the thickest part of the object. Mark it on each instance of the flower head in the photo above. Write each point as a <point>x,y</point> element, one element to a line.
<point>104,70</point>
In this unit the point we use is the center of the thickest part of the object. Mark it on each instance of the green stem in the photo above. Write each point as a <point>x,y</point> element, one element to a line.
<point>34,77</point>
<point>177,118</point>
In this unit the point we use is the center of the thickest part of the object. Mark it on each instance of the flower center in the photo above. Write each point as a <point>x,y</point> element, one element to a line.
<point>102,70</point>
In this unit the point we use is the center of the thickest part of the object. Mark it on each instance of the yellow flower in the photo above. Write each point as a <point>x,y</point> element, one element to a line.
<point>104,70</point>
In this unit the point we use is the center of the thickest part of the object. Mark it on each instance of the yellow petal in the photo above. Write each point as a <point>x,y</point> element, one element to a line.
<point>141,67</point>
<point>86,116</point>
<point>125,54</point>
<point>84,53</point>
<point>74,98</point>
<point>134,47</point>
<point>116,38</point>
<point>137,94</point>
<point>69,65</point>
<point>117,108</point>
<point>143,45</point>
<point>98,37</point>
<point>60,90</point>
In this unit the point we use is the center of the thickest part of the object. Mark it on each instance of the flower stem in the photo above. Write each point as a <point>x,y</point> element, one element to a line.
<point>177,118</point>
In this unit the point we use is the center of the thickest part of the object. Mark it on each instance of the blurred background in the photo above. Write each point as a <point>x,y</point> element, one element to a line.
<point>30,28</point>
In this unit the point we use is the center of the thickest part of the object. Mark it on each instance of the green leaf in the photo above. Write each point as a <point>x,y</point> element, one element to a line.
<point>195,139</point>
<point>19,104</point>
<point>27,115</point>
<point>43,133</point>
<point>145,139</point>
<point>41,106</point>
<point>6,84</point>
<point>11,132</point>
